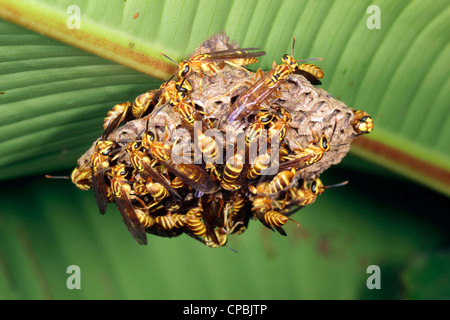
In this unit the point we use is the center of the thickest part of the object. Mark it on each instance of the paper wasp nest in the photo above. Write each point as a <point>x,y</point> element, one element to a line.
<point>219,114</point>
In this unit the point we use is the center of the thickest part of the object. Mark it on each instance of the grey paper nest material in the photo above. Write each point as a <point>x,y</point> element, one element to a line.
<point>314,120</point>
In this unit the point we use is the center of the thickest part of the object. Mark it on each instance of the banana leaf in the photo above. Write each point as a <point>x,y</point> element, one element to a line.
<point>61,72</point>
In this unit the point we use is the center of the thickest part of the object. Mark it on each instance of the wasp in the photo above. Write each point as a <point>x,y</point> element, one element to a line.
<point>100,162</point>
<point>220,240</point>
<point>230,186</point>
<point>261,163</point>
<point>156,190</point>
<point>181,220</point>
<point>280,127</point>
<point>250,100</point>
<point>139,186</point>
<point>81,176</point>
<point>307,194</point>
<point>206,62</point>
<point>281,181</point>
<point>235,220</point>
<point>167,221</point>
<point>187,114</point>
<point>264,210</point>
<point>192,220</point>
<point>265,117</point>
<point>277,219</point>
<point>144,218</point>
<point>362,122</point>
<point>233,168</point>
<point>214,172</point>
<point>179,92</point>
<point>186,110</point>
<point>195,224</point>
<point>207,145</point>
<point>232,172</point>
<point>303,158</point>
<point>119,114</point>
<point>311,72</point>
<point>261,121</point>
<point>262,204</point>
<point>157,185</point>
<point>123,112</point>
<point>145,103</point>
<point>122,190</point>
<point>189,173</point>
<point>212,216</point>
<point>173,92</point>
<point>177,183</point>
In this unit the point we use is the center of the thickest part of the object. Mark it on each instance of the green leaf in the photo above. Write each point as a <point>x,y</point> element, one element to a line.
<point>427,276</point>
<point>344,232</point>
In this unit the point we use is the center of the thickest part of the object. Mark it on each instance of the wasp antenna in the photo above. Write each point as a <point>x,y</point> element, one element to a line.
<point>130,183</point>
<point>170,79</point>
<point>293,45</point>
<point>128,140</point>
<point>56,177</point>
<point>234,250</point>
<point>115,151</point>
<point>342,144</point>
<point>311,59</point>
<point>334,129</point>
<point>167,57</point>
<point>298,224</point>
<point>103,170</point>
<point>178,87</point>
<point>336,185</point>
<point>182,82</point>
<point>166,126</point>
<point>140,133</point>
<point>155,113</point>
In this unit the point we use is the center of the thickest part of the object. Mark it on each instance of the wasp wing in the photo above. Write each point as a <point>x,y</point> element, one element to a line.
<point>260,217</point>
<point>100,191</point>
<point>150,105</point>
<point>192,175</point>
<point>157,177</point>
<point>116,117</point>
<point>251,99</point>
<point>298,163</point>
<point>130,218</point>
<point>310,77</point>
<point>231,54</point>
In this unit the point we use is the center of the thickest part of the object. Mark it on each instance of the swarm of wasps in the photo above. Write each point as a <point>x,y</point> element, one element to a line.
<point>219,181</point>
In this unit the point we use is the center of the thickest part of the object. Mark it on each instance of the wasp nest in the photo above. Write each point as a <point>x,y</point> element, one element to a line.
<point>218,145</point>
